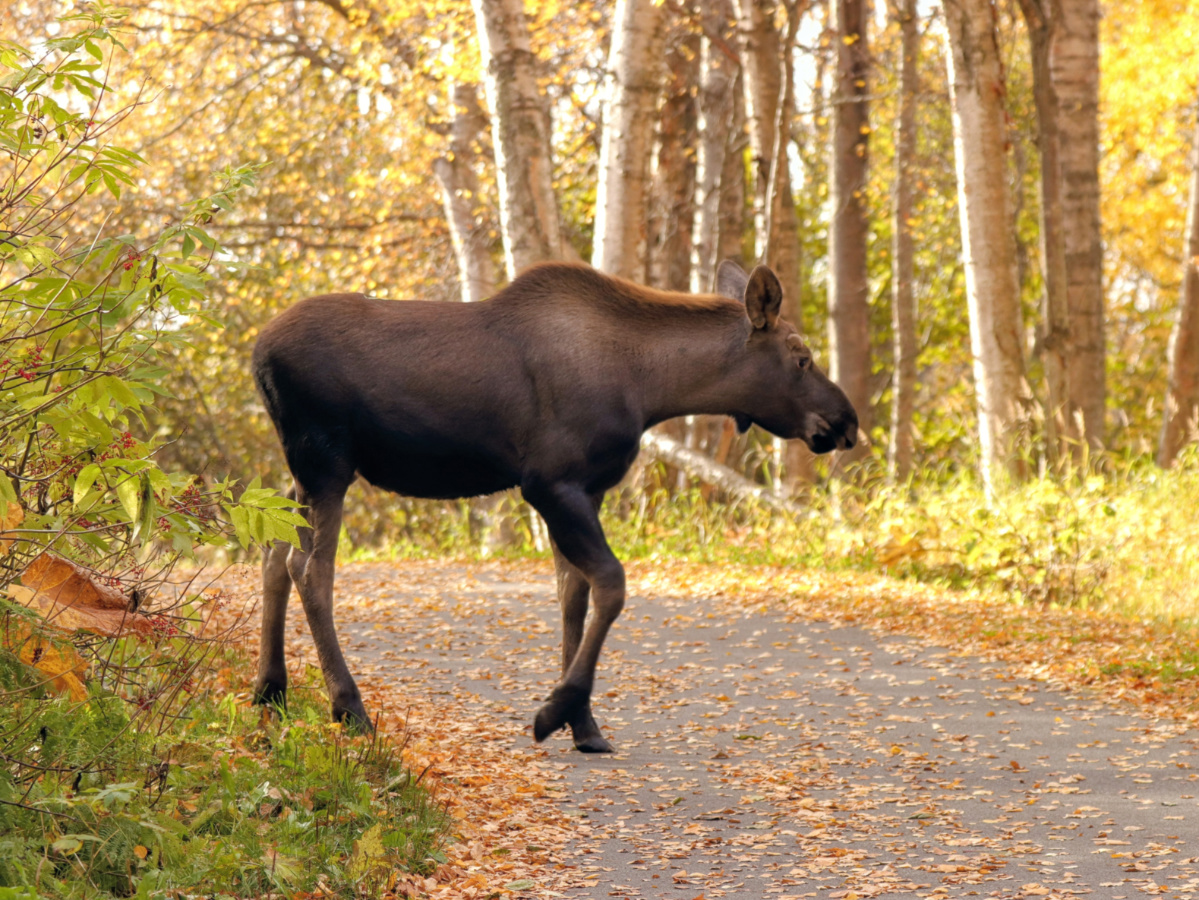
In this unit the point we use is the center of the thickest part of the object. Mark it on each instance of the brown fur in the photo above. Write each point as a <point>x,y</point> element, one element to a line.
<point>548,387</point>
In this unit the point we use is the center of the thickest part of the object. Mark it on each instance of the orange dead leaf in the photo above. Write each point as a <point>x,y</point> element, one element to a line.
<point>11,519</point>
<point>63,581</point>
<point>70,598</point>
<point>65,668</point>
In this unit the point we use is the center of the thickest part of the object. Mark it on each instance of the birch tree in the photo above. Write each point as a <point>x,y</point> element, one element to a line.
<point>1074,65</point>
<point>976,91</point>
<point>634,67</point>
<point>464,210</point>
<point>903,302</point>
<point>673,189</point>
<point>1182,393</point>
<point>520,123</point>
<point>848,287</point>
<point>715,112</point>
<point>1042,19</point>
<point>762,70</point>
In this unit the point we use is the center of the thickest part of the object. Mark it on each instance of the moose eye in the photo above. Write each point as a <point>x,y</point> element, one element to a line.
<point>804,362</point>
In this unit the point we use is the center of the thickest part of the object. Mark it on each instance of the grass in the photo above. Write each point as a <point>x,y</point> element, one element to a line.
<point>141,790</point>
<point>1122,542</point>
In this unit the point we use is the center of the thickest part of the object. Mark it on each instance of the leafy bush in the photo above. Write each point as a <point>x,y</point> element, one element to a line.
<point>117,800</point>
<point>84,317</point>
<point>112,793</point>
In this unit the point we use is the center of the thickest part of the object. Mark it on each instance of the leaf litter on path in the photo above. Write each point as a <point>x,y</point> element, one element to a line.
<point>733,778</point>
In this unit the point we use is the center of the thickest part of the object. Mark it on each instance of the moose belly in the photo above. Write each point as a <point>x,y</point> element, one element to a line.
<point>435,476</point>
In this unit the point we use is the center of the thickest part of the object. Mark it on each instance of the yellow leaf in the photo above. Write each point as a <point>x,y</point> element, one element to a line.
<point>140,852</point>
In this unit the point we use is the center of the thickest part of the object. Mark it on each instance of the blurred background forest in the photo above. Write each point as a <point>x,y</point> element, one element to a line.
<point>983,214</point>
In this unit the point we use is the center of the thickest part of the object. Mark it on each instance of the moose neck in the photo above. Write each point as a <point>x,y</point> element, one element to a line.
<point>692,366</point>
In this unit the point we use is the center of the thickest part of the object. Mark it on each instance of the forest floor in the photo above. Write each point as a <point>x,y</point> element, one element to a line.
<point>784,733</point>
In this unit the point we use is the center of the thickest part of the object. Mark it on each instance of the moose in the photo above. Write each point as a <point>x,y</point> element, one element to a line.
<point>547,386</point>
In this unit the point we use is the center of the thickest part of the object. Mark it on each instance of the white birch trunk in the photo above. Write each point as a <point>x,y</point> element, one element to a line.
<point>903,297</point>
<point>988,234</point>
<point>464,209</point>
<point>634,79</point>
<point>520,124</point>
<point>717,79</point>
<point>776,227</point>
<point>760,57</point>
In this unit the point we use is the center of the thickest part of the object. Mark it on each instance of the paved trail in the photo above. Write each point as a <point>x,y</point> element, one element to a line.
<point>763,756</point>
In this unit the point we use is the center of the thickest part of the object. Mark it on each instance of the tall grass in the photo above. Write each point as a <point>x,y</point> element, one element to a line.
<point>1126,540</point>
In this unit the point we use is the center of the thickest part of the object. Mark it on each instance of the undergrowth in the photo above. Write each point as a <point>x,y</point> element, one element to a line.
<point>168,784</point>
<point>1121,541</point>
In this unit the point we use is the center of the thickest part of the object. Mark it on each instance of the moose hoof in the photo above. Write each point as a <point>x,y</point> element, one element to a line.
<point>353,716</point>
<point>587,737</point>
<point>557,712</point>
<point>593,743</point>
<point>269,692</point>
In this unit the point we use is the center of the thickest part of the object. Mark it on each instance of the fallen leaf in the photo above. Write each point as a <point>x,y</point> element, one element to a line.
<point>66,669</point>
<point>70,598</point>
<point>68,584</point>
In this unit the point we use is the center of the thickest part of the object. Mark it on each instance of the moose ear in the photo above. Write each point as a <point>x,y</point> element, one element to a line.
<point>763,298</point>
<point>731,280</point>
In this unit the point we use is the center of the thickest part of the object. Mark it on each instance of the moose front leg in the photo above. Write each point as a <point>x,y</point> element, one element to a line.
<point>585,565</point>
<point>573,596</point>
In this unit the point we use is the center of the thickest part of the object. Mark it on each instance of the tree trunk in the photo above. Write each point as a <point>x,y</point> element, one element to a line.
<point>634,67</point>
<point>1074,63</point>
<point>520,124</point>
<point>460,194</point>
<point>762,64</point>
<point>730,238</point>
<point>672,204</point>
<point>1182,393</point>
<point>849,310</point>
<point>976,93</point>
<point>701,466</point>
<point>1054,339</point>
<point>903,301</point>
<point>715,113</point>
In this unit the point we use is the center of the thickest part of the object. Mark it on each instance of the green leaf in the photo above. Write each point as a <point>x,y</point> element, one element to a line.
<point>7,494</point>
<point>84,481</point>
<point>145,522</point>
<point>129,493</point>
<point>241,525</point>
<point>67,845</point>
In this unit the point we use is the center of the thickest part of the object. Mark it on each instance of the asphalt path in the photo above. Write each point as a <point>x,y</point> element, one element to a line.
<point>763,755</point>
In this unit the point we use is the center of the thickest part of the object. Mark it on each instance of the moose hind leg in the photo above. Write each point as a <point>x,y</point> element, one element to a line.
<point>312,569</point>
<point>579,541</point>
<point>270,687</point>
